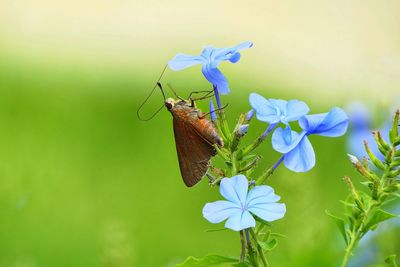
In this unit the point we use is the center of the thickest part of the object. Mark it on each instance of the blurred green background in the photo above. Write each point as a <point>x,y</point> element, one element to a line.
<point>83,182</point>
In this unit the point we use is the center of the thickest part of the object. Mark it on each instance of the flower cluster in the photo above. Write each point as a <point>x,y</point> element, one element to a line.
<point>298,153</point>
<point>248,202</point>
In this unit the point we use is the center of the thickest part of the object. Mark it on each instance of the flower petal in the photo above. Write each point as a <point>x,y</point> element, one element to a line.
<point>235,189</point>
<point>301,158</point>
<point>182,61</point>
<point>221,54</point>
<point>235,57</point>
<point>264,110</point>
<point>279,105</point>
<point>280,140</point>
<point>240,220</point>
<point>215,77</point>
<point>261,194</point>
<point>330,124</point>
<point>269,211</point>
<point>295,109</point>
<point>220,210</point>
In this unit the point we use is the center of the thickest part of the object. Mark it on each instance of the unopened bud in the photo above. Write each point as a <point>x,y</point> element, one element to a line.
<point>364,171</point>
<point>382,145</point>
<point>242,130</point>
<point>212,111</point>
<point>372,157</point>
<point>394,132</point>
<point>249,115</point>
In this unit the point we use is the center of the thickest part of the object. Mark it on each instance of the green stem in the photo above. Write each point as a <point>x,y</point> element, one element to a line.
<point>356,235</point>
<point>242,246</point>
<point>259,249</point>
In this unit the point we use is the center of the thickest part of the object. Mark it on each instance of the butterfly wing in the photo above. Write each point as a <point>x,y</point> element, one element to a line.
<point>194,151</point>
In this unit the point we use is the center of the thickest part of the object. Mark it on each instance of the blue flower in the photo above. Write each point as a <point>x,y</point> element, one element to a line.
<point>210,58</point>
<point>298,152</point>
<point>274,111</point>
<point>240,204</point>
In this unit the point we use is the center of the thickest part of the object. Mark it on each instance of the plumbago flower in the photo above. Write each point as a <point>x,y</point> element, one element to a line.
<point>274,111</point>
<point>298,152</point>
<point>210,58</point>
<point>240,204</point>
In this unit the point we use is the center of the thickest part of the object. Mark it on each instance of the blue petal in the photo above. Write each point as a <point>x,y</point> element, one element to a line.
<point>279,105</point>
<point>295,109</point>
<point>330,124</point>
<point>261,194</point>
<point>221,54</point>
<point>215,77</point>
<point>301,158</point>
<point>264,110</point>
<point>181,61</point>
<point>207,52</point>
<point>269,211</point>
<point>279,140</point>
<point>235,57</point>
<point>240,220</point>
<point>235,189</point>
<point>220,210</point>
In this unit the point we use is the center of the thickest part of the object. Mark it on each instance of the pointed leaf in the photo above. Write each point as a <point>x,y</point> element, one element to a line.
<point>378,217</point>
<point>258,219</point>
<point>208,260</point>
<point>341,225</point>
<point>391,260</point>
<point>268,245</point>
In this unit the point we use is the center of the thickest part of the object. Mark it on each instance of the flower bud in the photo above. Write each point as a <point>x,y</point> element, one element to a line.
<point>382,145</point>
<point>372,157</point>
<point>212,111</point>
<point>394,132</point>
<point>249,115</point>
<point>242,130</point>
<point>364,171</point>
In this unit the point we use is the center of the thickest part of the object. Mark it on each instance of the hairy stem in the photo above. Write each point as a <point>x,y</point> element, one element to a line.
<point>242,246</point>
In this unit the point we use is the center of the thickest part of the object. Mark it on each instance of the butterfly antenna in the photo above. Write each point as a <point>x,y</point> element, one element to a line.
<point>173,91</point>
<point>148,97</point>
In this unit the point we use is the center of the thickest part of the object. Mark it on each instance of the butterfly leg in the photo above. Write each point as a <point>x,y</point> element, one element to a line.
<point>201,115</point>
<point>208,92</point>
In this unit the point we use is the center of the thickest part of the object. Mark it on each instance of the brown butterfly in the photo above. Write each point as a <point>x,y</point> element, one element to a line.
<point>195,136</point>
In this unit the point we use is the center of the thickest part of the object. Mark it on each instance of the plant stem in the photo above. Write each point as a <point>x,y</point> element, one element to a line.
<point>242,246</point>
<point>259,249</point>
<point>356,235</point>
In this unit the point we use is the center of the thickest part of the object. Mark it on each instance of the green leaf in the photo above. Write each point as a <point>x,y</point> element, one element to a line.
<point>391,260</point>
<point>279,235</point>
<point>268,245</point>
<point>352,205</point>
<point>208,260</point>
<point>378,217</point>
<point>249,157</point>
<point>340,223</point>
<point>258,219</point>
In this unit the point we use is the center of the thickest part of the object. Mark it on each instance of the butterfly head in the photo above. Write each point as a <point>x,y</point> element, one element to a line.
<point>169,103</point>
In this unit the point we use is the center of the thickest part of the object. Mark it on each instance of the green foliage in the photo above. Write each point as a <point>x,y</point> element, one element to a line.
<point>391,261</point>
<point>340,224</point>
<point>363,210</point>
